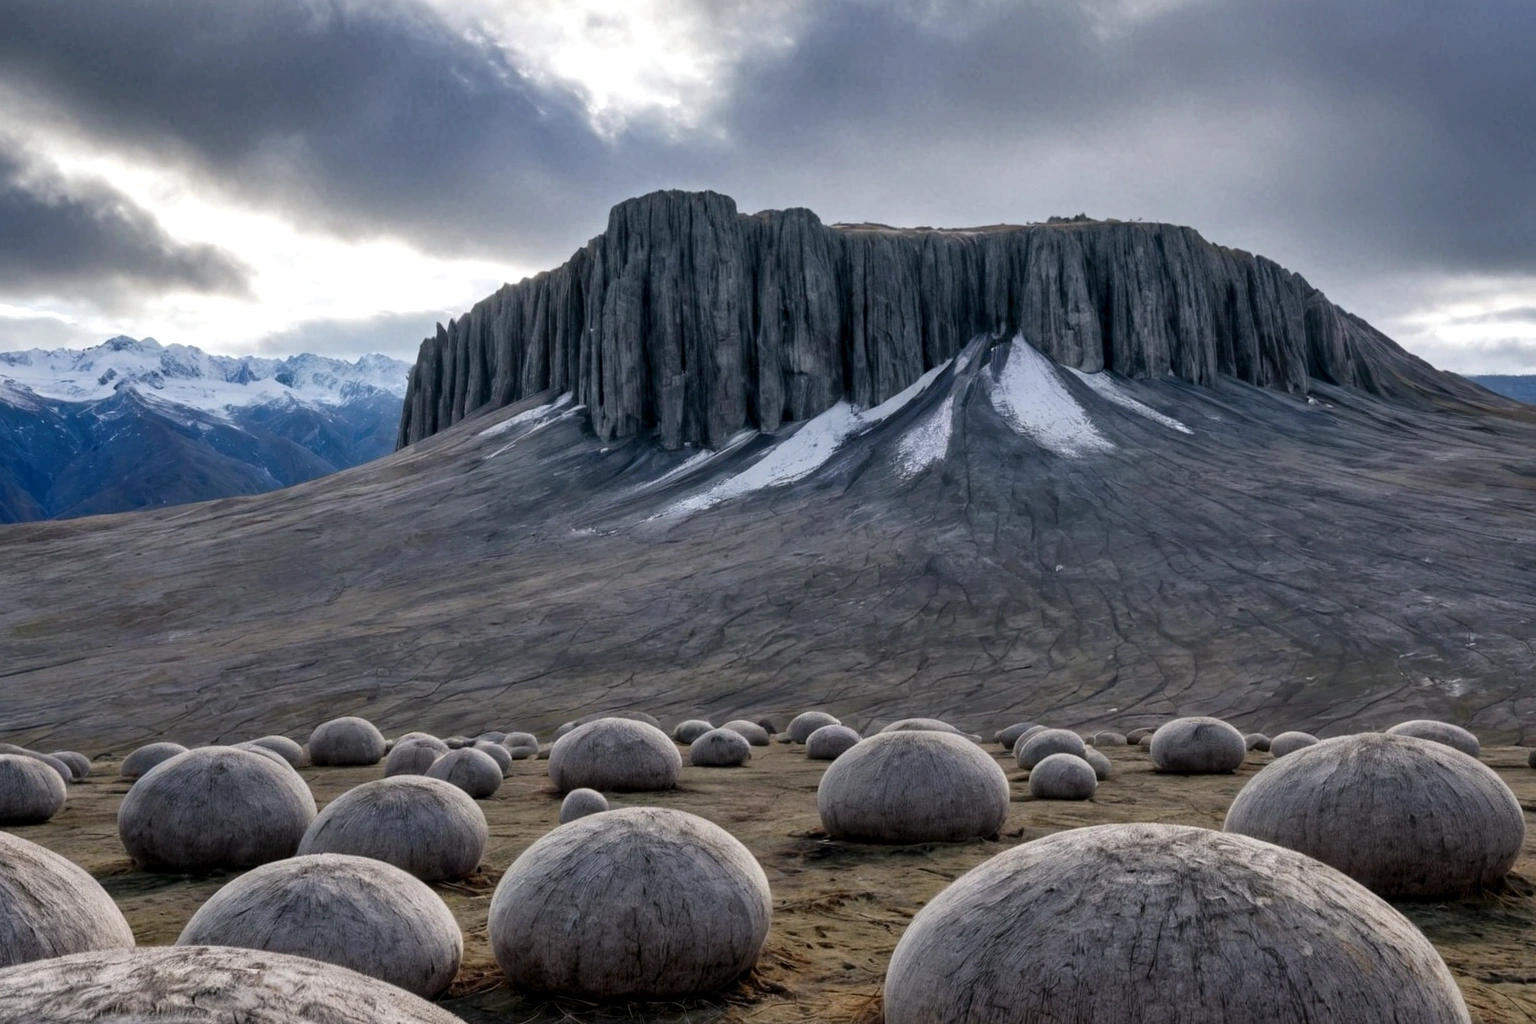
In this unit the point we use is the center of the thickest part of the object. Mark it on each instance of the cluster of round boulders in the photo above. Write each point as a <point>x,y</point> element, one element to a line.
<point>1103,768</point>
<point>615,755</point>
<point>1031,749</point>
<point>413,756</point>
<point>1290,742</point>
<point>204,985</point>
<point>473,771</point>
<point>1135,736</point>
<point>425,827</point>
<point>289,750</point>
<point>79,765</point>
<point>1263,934</point>
<point>830,742</point>
<point>496,752</point>
<point>521,745</point>
<point>146,757</point>
<point>1063,777</point>
<point>1402,816</point>
<point>1197,746</point>
<point>720,748</point>
<point>51,907</point>
<point>802,725</point>
<point>752,732</point>
<point>354,912</point>
<point>579,803</point>
<point>1453,736</point>
<point>687,731</point>
<point>1009,736</point>
<point>30,791</point>
<point>1257,741</point>
<point>346,742</point>
<point>214,807</point>
<point>637,903</point>
<point>913,787</point>
<point>1109,739</point>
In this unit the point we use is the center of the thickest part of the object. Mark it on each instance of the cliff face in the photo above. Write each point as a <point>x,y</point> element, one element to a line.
<point>690,319</point>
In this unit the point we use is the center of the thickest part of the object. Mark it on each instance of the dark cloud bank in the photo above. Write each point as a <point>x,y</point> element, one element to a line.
<point>1354,140</point>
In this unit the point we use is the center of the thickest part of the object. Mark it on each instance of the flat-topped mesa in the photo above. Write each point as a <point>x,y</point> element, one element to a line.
<point>694,320</point>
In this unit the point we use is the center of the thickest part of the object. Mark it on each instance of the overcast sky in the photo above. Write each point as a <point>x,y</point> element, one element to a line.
<point>336,175</point>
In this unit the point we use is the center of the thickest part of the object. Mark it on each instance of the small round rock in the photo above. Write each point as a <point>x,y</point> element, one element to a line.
<point>1290,742</point>
<point>345,742</point>
<point>1043,744</point>
<point>1197,746</point>
<point>754,733</point>
<point>1062,777</point>
<point>30,791</point>
<point>579,803</point>
<point>830,742</point>
<point>1453,736</point>
<point>802,725</point>
<point>720,748</point>
<point>146,757</point>
<point>471,770</point>
<point>49,906</point>
<point>686,732</point>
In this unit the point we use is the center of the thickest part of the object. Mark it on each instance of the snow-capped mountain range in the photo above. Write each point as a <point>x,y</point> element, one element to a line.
<point>133,424</point>
<point>185,375</point>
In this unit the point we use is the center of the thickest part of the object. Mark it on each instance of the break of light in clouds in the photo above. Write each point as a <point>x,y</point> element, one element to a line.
<point>334,175</point>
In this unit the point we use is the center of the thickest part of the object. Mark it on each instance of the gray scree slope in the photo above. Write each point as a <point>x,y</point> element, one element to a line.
<point>1351,558</point>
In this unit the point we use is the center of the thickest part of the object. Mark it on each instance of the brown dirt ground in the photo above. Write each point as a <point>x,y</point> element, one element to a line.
<point>839,908</point>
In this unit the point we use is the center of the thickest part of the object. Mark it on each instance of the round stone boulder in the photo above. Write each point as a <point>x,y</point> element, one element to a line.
<point>617,755</point>
<point>1290,742</point>
<point>355,912</point>
<point>636,903</point>
<point>1033,749</point>
<point>802,725</point>
<point>1103,768</point>
<point>204,985</point>
<point>1108,739</point>
<point>213,808</point>
<point>1063,777</point>
<point>754,734</point>
<point>921,725</point>
<point>720,748</point>
<point>30,791</point>
<point>146,757</point>
<point>829,742</point>
<point>346,742</point>
<point>413,757</point>
<point>285,747</point>
<point>1453,736</point>
<point>688,731</point>
<point>1402,816</point>
<point>579,803</point>
<point>913,787</point>
<point>1197,746</point>
<point>79,764</point>
<point>1135,736</point>
<point>1263,934</point>
<point>471,770</point>
<point>426,827</point>
<point>496,752</point>
<point>1257,741</point>
<point>1009,736</point>
<point>51,907</point>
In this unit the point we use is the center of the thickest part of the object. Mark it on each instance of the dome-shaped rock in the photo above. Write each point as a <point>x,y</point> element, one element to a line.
<point>426,827</point>
<point>344,742</point>
<point>579,803</point>
<point>1063,777</point>
<point>829,742</point>
<point>471,770</point>
<point>1033,749</point>
<point>30,791</point>
<point>720,748</point>
<point>753,733</point>
<point>1453,736</point>
<point>690,730</point>
<point>913,787</point>
<point>617,755</point>
<point>640,902</point>
<point>51,907</point>
<point>146,757</point>
<point>805,723</point>
<point>1290,742</point>
<point>1197,746</point>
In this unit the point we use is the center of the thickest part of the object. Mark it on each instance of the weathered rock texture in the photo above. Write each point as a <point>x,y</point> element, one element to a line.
<point>52,907</point>
<point>691,319</point>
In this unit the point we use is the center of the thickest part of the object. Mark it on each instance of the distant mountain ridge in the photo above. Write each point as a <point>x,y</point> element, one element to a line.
<point>133,424</point>
<point>1519,386</point>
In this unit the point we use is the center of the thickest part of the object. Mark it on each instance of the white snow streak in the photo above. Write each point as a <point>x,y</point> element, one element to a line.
<point>1107,389</point>
<point>1033,399</point>
<point>928,442</point>
<point>526,415</point>
<point>806,450</point>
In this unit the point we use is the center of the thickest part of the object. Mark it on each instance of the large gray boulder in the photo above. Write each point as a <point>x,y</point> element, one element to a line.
<point>426,827</point>
<point>913,787</point>
<point>617,755</point>
<point>1063,777</point>
<point>1401,815</point>
<point>344,742</point>
<point>51,907</point>
<point>146,757</point>
<point>203,985</point>
<point>1185,926</point>
<point>830,742</point>
<point>30,791</point>
<point>1453,736</point>
<point>1197,746</point>
<point>805,723</point>
<point>635,903</point>
<point>720,748</point>
<point>473,771</point>
<point>1031,748</point>
<point>355,912</point>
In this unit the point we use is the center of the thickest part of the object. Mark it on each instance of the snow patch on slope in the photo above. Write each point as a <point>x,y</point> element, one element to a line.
<point>1030,395</point>
<point>1106,388</point>
<point>806,450</point>
<point>527,415</point>
<point>928,442</point>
